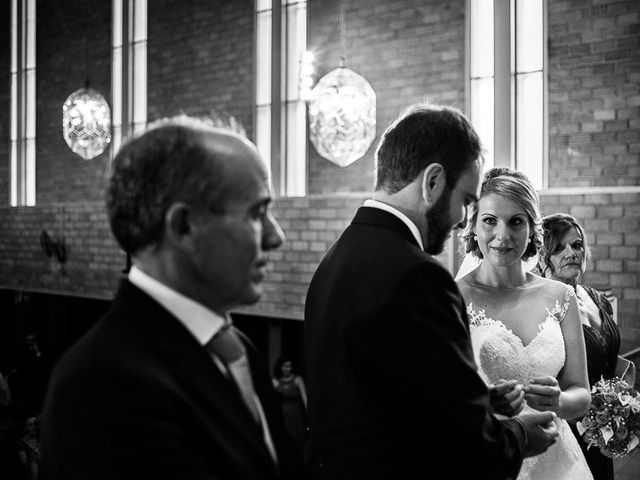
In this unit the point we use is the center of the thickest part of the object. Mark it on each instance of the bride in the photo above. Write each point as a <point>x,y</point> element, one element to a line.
<point>525,329</point>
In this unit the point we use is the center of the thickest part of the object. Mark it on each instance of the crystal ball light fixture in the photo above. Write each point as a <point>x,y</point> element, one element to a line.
<point>342,116</point>
<point>86,123</point>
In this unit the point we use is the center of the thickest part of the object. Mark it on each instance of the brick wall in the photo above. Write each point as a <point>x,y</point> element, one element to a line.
<point>409,50</point>
<point>95,262</point>
<point>201,60</point>
<point>611,225</point>
<point>594,93</point>
<point>73,44</point>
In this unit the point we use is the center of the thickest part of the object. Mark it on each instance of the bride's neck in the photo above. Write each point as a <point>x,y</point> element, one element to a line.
<point>512,276</point>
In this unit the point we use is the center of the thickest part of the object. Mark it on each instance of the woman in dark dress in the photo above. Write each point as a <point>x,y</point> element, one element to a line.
<point>564,258</point>
<point>293,398</point>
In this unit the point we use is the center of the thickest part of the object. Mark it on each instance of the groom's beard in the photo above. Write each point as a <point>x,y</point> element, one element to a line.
<point>438,224</point>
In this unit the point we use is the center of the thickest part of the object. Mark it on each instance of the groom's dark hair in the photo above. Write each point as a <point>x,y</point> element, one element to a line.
<point>424,134</point>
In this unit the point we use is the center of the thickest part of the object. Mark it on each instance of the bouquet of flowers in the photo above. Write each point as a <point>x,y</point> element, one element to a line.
<point>613,421</point>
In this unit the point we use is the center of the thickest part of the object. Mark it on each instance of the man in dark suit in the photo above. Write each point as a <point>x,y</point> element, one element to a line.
<point>392,384</point>
<point>142,395</point>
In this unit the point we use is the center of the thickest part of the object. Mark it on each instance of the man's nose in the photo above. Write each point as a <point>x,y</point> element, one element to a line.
<point>463,220</point>
<point>272,234</point>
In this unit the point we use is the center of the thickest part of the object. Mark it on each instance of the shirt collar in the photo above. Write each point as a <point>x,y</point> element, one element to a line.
<point>394,211</point>
<point>199,320</point>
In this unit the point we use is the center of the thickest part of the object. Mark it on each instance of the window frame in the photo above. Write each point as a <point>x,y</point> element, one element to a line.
<point>128,70</point>
<point>281,133</point>
<point>505,93</point>
<point>22,140</point>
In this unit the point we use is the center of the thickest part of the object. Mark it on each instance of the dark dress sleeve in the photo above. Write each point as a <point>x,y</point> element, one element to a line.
<point>602,353</point>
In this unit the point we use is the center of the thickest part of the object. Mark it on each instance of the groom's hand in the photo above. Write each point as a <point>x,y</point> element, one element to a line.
<point>541,430</point>
<point>506,397</point>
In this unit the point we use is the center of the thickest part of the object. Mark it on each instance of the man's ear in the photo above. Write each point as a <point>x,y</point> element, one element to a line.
<point>178,223</point>
<point>433,183</point>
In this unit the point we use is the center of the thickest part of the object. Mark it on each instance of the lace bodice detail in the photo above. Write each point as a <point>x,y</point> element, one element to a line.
<point>499,353</point>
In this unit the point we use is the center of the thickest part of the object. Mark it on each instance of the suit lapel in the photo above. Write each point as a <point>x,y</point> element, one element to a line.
<point>190,362</point>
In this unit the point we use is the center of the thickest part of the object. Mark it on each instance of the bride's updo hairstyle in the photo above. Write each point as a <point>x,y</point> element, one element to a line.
<point>515,186</point>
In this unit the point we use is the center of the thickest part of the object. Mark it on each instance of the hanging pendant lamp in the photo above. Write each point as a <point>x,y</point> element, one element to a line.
<point>86,116</point>
<point>86,123</point>
<point>342,113</point>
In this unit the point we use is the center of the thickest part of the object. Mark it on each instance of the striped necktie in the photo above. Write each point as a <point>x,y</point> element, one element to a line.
<point>229,349</point>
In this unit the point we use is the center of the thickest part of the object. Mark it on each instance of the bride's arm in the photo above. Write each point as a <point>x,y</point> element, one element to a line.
<point>569,397</point>
<point>573,378</point>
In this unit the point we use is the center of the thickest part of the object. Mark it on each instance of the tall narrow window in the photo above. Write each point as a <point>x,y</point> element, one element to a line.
<point>281,134</point>
<point>23,103</point>
<point>507,100</point>
<point>129,69</point>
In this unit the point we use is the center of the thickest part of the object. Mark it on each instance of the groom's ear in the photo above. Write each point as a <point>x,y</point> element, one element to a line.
<point>433,183</point>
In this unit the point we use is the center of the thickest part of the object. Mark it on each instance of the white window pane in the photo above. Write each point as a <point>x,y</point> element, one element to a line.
<point>116,87</point>
<point>140,83</point>
<point>116,139</point>
<point>263,60</point>
<point>482,117</point>
<point>481,38</point>
<point>14,107</point>
<point>31,34</point>
<point>263,5</point>
<point>30,114</point>
<point>14,36</point>
<point>14,174</point>
<point>297,37</point>
<point>30,174</point>
<point>263,134</point>
<point>116,26</point>
<point>290,68</point>
<point>529,126</point>
<point>139,127</point>
<point>296,149</point>
<point>529,35</point>
<point>140,20</point>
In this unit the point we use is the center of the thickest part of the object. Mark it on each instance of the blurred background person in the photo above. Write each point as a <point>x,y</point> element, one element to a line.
<point>293,398</point>
<point>564,258</point>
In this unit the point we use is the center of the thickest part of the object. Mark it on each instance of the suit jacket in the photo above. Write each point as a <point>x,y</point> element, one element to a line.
<point>392,384</point>
<point>139,397</point>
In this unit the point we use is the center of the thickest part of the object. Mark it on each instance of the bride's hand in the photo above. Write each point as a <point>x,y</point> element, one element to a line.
<point>543,394</point>
<point>506,397</point>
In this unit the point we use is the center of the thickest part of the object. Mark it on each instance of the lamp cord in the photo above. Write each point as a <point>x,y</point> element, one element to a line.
<point>86,45</point>
<point>343,57</point>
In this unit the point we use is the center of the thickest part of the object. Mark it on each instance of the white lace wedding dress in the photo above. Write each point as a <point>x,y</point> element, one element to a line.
<point>499,353</point>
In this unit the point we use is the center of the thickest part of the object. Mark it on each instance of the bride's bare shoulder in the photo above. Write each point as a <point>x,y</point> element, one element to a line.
<point>549,286</point>
<point>465,283</point>
<point>468,285</point>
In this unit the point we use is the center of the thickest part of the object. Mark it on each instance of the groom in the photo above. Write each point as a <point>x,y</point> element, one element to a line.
<point>392,384</point>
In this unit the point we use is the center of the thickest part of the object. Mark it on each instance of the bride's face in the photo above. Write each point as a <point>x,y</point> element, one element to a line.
<point>502,229</point>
